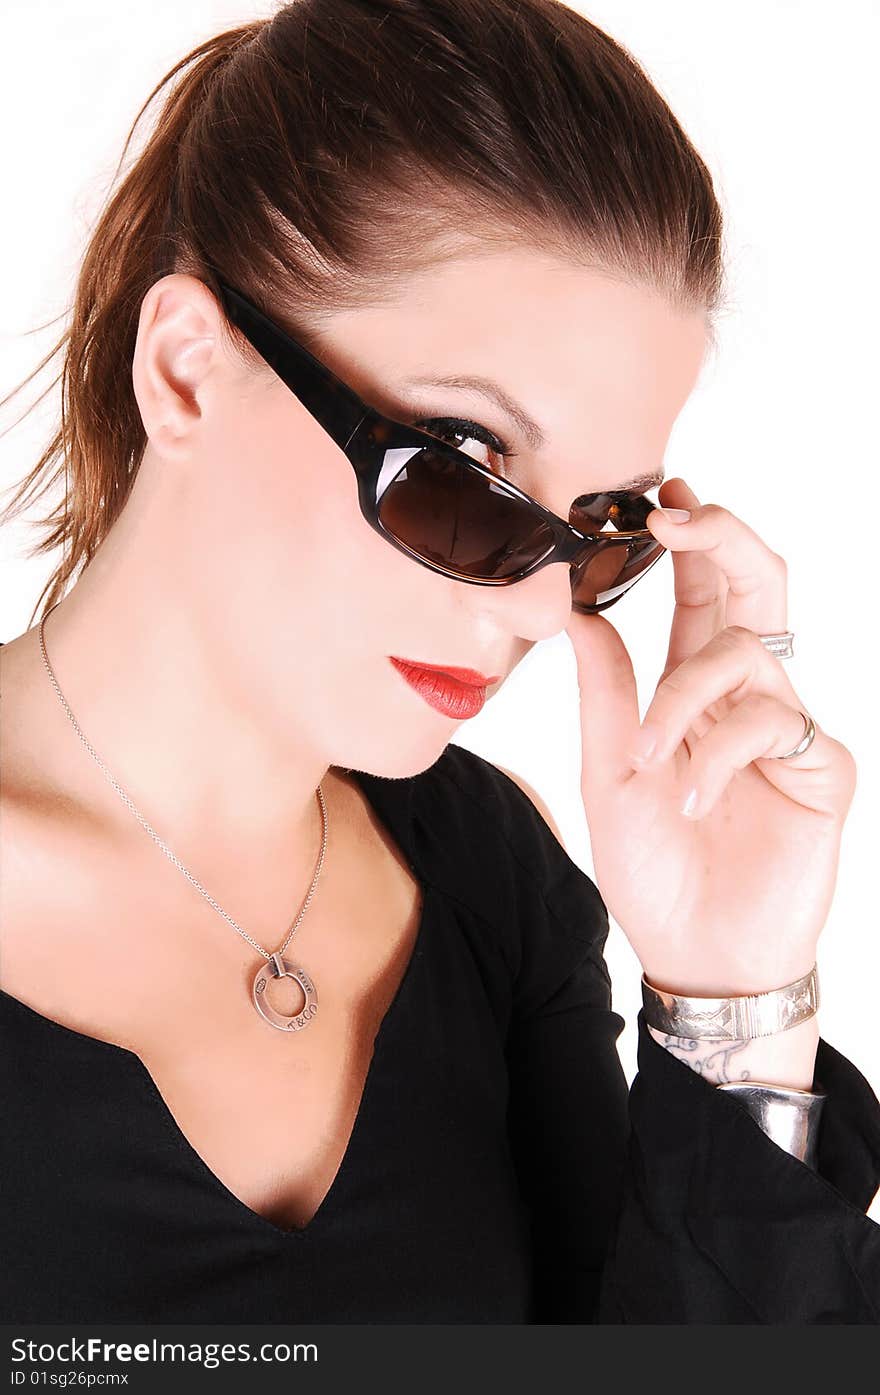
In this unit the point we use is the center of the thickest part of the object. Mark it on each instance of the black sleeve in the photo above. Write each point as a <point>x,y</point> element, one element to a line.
<point>668,1203</point>
<point>720,1224</point>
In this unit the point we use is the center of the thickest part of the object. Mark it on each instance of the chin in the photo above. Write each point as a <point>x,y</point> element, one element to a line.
<point>396,759</point>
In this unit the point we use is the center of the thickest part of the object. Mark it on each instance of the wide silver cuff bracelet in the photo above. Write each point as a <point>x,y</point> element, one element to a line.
<point>732,1019</point>
<point>788,1116</point>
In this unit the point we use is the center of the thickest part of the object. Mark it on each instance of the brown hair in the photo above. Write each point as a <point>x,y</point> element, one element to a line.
<point>311,157</point>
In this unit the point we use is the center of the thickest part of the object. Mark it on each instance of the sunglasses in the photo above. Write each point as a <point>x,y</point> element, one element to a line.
<point>446,510</point>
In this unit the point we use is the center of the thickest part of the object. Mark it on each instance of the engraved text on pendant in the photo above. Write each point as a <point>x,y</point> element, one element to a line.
<point>277,967</point>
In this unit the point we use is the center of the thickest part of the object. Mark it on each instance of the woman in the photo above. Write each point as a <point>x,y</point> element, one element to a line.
<point>308,536</point>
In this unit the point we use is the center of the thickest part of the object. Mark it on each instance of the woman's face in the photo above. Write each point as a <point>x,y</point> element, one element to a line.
<point>304,603</point>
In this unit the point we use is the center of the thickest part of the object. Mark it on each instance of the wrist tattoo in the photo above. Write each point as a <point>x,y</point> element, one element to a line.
<point>709,1058</point>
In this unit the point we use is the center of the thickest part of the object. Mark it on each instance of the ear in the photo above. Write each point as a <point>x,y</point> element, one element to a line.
<point>178,343</point>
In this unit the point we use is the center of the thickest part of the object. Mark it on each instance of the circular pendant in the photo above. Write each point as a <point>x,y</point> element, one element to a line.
<point>280,968</point>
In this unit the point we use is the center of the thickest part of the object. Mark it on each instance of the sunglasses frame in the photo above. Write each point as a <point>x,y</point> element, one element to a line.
<point>365,435</point>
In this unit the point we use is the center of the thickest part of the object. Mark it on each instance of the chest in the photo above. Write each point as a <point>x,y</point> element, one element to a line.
<point>270,1113</point>
<point>272,1121</point>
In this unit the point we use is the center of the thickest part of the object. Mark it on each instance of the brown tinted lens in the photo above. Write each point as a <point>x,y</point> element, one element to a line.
<point>457,518</point>
<point>612,566</point>
<point>615,563</point>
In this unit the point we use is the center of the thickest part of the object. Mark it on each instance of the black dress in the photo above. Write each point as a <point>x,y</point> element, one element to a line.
<point>499,1171</point>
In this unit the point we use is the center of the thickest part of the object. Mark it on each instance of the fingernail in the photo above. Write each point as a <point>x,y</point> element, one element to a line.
<point>675,515</point>
<point>643,745</point>
<point>689,804</point>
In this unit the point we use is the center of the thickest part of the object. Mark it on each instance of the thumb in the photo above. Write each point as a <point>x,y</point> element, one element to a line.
<point>608,699</point>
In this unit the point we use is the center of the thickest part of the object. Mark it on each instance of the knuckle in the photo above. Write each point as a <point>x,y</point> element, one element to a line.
<point>738,637</point>
<point>844,776</point>
<point>847,761</point>
<point>697,594</point>
<point>762,704</point>
<point>759,708</point>
<point>674,682</point>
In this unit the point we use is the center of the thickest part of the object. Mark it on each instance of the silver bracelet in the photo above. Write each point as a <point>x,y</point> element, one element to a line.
<point>732,1019</point>
<point>788,1116</point>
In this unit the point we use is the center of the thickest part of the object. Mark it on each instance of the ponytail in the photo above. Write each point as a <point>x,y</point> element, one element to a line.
<point>100,439</point>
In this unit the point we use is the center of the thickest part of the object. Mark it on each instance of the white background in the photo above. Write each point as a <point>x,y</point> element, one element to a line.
<point>781,429</point>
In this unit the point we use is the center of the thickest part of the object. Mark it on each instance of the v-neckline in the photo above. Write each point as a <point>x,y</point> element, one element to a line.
<point>183,1143</point>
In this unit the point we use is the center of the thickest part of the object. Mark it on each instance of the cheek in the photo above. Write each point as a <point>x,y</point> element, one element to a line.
<point>300,552</point>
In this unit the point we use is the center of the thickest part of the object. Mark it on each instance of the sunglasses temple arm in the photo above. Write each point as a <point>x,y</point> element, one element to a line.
<point>339,410</point>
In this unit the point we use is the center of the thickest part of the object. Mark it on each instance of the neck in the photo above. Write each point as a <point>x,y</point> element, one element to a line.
<point>187,741</point>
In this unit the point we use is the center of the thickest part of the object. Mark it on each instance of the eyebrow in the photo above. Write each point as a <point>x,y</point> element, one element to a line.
<point>530,429</point>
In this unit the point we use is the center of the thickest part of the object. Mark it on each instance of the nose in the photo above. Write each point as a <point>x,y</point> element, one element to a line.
<point>538,607</point>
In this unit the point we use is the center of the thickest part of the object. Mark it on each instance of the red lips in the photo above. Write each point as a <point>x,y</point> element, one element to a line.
<point>450,696</point>
<point>461,675</point>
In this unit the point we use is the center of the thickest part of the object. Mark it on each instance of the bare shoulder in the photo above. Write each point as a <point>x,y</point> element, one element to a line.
<point>15,702</point>
<point>536,799</point>
<point>25,699</point>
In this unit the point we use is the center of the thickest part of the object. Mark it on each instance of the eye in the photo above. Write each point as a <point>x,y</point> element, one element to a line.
<point>462,434</point>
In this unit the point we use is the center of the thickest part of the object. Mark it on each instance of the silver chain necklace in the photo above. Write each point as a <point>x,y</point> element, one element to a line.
<point>278,967</point>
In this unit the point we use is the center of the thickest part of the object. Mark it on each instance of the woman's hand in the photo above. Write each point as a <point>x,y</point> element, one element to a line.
<point>733,898</point>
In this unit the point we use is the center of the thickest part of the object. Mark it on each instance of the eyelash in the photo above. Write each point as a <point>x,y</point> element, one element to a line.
<point>463,426</point>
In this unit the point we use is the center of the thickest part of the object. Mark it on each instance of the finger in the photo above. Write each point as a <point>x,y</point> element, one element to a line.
<point>763,728</point>
<point>609,703</point>
<point>732,665</point>
<point>700,587</point>
<point>725,574</point>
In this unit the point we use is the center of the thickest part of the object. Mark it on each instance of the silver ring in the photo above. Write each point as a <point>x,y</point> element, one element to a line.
<point>780,645</point>
<point>806,740</point>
